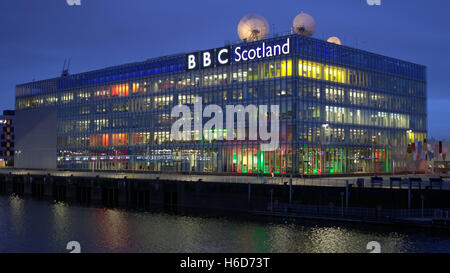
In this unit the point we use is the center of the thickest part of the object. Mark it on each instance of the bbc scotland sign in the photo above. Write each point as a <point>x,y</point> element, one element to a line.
<point>227,55</point>
<point>209,58</point>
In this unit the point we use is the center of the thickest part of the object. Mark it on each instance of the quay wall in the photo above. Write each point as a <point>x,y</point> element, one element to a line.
<point>156,194</point>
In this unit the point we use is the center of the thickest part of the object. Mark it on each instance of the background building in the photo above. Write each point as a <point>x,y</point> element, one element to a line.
<point>342,111</point>
<point>36,138</point>
<point>7,138</point>
<point>438,155</point>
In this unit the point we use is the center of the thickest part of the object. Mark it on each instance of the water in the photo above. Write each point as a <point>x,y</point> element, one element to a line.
<point>28,225</point>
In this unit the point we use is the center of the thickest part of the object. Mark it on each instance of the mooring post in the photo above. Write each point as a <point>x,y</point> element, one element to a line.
<point>409,194</point>
<point>422,197</point>
<point>346,193</point>
<point>290,190</point>
<point>271,199</point>
<point>249,193</point>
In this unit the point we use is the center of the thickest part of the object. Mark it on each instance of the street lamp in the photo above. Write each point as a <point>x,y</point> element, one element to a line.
<point>18,153</point>
<point>373,157</point>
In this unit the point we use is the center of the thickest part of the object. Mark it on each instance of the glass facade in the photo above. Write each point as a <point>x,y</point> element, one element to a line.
<point>342,111</point>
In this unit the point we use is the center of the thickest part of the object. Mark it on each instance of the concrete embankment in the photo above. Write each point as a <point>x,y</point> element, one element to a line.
<point>156,193</point>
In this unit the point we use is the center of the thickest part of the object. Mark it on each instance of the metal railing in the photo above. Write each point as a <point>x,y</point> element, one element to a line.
<point>355,182</point>
<point>403,183</point>
<point>360,213</point>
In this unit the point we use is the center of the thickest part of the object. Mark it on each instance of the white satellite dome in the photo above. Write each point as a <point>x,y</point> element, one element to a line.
<point>304,24</point>
<point>253,27</point>
<point>334,40</point>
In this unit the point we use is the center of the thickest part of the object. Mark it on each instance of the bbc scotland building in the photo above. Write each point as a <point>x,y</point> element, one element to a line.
<point>342,111</point>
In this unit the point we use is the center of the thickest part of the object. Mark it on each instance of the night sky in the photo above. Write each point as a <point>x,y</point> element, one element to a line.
<point>36,36</point>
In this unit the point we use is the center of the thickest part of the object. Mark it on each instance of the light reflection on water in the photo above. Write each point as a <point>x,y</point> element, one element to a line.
<point>39,226</point>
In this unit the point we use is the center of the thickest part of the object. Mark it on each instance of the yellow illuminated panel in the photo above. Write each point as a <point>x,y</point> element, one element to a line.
<point>286,68</point>
<point>320,71</point>
<point>413,137</point>
<point>274,69</point>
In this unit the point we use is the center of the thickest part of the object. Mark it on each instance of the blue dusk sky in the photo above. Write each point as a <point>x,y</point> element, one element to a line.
<point>36,36</point>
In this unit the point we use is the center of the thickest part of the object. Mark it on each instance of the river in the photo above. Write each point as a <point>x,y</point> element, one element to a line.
<point>28,225</point>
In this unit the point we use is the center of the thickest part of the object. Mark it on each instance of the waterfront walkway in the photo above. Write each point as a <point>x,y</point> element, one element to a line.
<point>411,217</point>
<point>400,181</point>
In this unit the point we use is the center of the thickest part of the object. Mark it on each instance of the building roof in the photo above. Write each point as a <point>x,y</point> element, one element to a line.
<point>307,47</point>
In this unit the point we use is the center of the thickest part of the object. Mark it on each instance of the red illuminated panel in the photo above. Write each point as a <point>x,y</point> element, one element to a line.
<point>121,90</point>
<point>105,140</point>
